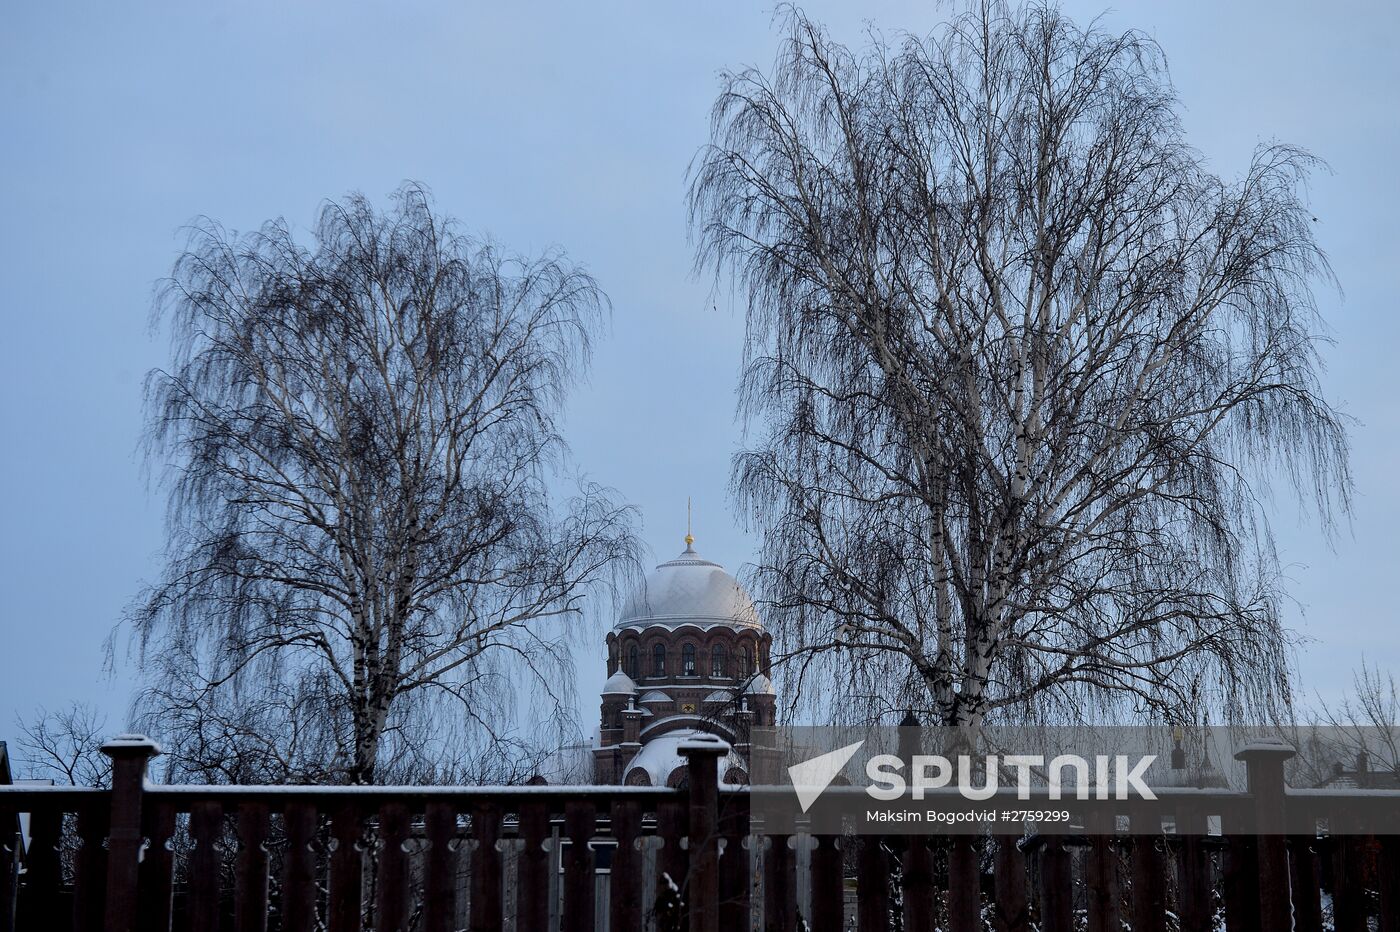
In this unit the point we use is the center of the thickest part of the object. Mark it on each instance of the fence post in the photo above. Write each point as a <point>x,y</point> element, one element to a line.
<point>1263,762</point>
<point>129,754</point>
<point>702,754</point>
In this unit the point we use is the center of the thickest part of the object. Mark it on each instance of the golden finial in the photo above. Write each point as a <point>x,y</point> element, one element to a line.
<point>689,538</point>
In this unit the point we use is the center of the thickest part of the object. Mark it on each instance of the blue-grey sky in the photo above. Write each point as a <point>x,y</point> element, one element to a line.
<point>542,124</point>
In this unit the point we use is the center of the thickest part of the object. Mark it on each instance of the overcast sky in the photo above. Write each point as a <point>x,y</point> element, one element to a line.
<point>569,124</point>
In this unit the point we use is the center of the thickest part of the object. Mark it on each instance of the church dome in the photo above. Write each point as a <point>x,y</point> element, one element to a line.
<point>619,684</point>
<point>759,685</point>
<point>689,590</point>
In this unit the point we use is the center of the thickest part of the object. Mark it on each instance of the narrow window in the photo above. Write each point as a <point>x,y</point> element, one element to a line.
<point>688,660</point>
<point>746,664</point>
<point>634,662</point>
<point>719,662</point>
<point>658,660</point>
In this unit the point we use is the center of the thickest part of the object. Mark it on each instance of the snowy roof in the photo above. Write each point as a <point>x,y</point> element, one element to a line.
<point>759,685</point>
<point>689,590</point>
<point>654,695</point>
<point>661,756</point>
<point>619,684</point>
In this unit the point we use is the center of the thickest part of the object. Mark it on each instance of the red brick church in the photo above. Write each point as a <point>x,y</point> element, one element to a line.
<point>687,658</point>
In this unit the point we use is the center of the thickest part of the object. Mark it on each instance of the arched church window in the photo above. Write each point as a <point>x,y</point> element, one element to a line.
<point>658,660</point>
<point>719,662</point>
<point>634,662</point>
<point>688,660</point>
<point>746,661</point>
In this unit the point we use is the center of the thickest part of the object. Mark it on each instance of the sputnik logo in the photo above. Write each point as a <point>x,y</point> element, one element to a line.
<point>811,777</point>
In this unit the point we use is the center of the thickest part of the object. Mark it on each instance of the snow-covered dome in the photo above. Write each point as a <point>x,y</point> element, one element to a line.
<point>759,685</point>
<point>661,757</point>
<point>689,590</point>
<point>619,684</point>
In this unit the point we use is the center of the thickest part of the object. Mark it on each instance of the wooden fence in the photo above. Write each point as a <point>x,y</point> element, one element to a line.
<point>432,859</point>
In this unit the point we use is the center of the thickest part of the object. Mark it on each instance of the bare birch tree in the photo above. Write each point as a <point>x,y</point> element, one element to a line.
<point>360,441</point>
<point>65,746</point>
<point>1021,369</point>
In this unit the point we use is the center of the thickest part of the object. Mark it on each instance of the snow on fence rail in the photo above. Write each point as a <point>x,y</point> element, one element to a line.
<point>295,859</point>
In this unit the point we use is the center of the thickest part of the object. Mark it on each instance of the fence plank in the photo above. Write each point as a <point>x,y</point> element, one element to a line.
<point>486,868</point>
<point>1240,881</point>
<point>1306,897</point>
<point>1056,887</point>
<point>918,885</point>
<point>579,820</point>
<point>440,889</point>
<point>250,870</point>
<point>343,899</point>
<point>1388,863</point>
<point>1348,881</point>
<point>298,894</point>
<point>1011,912</point>
<point>964,886</point>
<point>1101,873</point>
<point>873,885</point>
<point>671,860</point>
<point>532,888</point>
<point>206,830</point>
<point>155,878</point>
<point>391,899</point>
<point>734,864</point>
<point>40,904</point>
<point>1149,890</point>
<point>625,880</point>
<point>827,884</point>
<point>10,842</point>
<point>90,882</point>
<point>1194,883</point>
<point>779,884</point>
